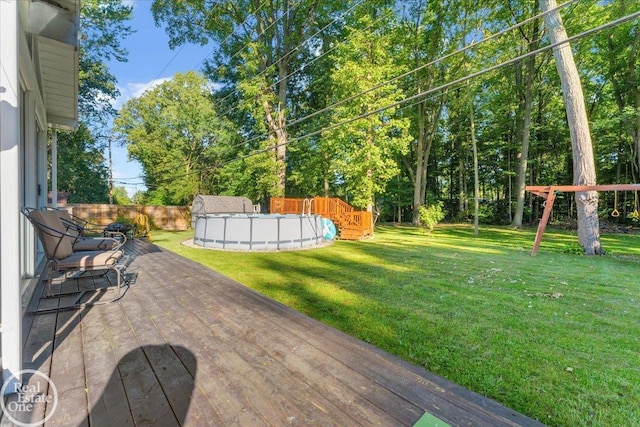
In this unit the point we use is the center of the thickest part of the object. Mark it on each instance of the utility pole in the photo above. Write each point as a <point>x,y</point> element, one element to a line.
<point>110,174</point>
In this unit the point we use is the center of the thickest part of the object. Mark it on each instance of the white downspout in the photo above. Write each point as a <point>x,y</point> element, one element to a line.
<point>10,305</point>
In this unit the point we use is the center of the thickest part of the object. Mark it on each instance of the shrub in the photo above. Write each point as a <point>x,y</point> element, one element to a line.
<point>431,215</point>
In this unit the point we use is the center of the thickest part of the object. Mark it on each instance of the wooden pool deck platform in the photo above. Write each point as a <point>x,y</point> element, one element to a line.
<point>188,346</point>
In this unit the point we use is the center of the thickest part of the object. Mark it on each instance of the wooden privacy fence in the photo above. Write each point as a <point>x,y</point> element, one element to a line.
<point>163,217</point>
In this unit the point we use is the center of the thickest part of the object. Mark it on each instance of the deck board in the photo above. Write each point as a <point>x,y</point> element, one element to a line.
<point>106,395</point>
<point>240,375</point>
<point>174,366</point>
<point>72,403</point>
<point>147,401</point>
<point>281,354</point>
<point>255,358</point>
<point>383,375</point>
<point>188,346</point>
<point>208,364</point>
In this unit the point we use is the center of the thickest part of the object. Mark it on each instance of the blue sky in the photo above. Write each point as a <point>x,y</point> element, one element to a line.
<point>150,62</point>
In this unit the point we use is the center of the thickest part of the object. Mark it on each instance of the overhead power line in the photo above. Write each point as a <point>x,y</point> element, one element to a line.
<point>444,86</point>
<point>183,45</point>
<point>408,73</point>
<point>430,92</point>
<point>231,35</point>
<point>291,52</point>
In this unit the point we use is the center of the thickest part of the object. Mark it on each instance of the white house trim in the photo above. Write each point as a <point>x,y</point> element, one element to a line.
<point>10,305</point>
<point>57,66</point>
<point>42,168</point>
<point>38,90</point>
<point>27,70</point>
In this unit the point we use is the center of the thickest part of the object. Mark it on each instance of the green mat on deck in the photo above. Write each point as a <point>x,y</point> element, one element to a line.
<point>428,420</point>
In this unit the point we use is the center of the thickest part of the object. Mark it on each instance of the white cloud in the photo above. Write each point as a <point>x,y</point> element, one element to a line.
<point>133,90</point>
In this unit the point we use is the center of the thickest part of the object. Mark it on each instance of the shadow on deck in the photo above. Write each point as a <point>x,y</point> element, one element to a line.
<point>188,346</point>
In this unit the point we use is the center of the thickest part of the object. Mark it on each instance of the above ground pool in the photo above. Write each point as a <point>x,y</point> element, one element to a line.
<point>258,232</point>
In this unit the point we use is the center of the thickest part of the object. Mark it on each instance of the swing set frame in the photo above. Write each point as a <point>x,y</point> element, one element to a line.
<point>549,194</point>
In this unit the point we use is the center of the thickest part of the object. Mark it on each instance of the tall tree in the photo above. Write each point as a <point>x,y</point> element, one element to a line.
<point>260,45</point>
<point>425,25</point>
<point>584,171</point>
<point>104,25</point>
<point>623,70</point>
<point>363,138</point>
<point>174,131</point>
<point>474,149</point>
<point>525,72</point>
<point>81,169</point>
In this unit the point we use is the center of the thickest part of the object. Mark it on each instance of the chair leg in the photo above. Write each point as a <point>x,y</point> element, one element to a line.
<point>49,268</point>
<point>119,268</point>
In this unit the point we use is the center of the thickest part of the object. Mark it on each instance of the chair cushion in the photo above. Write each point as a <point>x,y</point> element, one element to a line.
<point>90,260</point>
<point>95,244</point>
<point>56,245</point>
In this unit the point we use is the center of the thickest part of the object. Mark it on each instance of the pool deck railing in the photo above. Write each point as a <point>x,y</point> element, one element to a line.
<point>351,224</point>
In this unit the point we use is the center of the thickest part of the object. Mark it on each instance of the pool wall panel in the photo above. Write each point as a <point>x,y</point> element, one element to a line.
<point>257,232</point>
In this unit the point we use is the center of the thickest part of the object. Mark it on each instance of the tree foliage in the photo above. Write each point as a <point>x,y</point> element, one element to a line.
<point>81,168</point>
<point>431,215</point>
<point>315,77</point>
<point>366,135</point>
<point>174,131</point>
<point>81,163</point>
<point>120,196</point>
<point>261,44</point>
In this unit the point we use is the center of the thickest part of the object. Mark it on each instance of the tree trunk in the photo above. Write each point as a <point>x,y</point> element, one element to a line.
<point>527,101</point>
<point>635,130</point>
<point>429,137</point>
<point>370,142</point>
<point>278,132</point>
<point>423,151</point>
<point>425,48</point>
<point>420,165</point>
<point>474,145</point>
<point>425,161</point>
<point>462,194</point>
<point>281,155</point>
<point>584,172</point>
<point>281,129</point>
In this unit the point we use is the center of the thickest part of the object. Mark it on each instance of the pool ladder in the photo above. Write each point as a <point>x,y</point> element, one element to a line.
<point>306,207</point>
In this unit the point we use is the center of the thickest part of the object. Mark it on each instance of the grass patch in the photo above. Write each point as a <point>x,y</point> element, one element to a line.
<point>555,336</point>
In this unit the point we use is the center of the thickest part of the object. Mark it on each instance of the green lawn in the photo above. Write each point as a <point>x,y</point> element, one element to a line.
<point>555,336</point>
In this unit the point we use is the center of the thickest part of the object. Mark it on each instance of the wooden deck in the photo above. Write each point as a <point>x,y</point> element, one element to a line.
<point>188,346</point>
<point>351,224</point>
